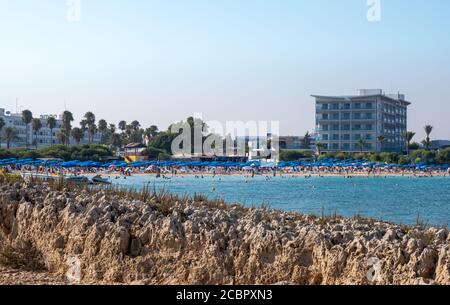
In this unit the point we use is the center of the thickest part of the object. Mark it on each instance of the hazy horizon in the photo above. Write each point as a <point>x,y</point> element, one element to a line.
<point>159,62</point>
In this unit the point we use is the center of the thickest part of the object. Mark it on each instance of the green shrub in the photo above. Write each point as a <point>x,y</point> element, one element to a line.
<point>83,153</point>
<point>341,156</point>
<point>293,155</point>
<point>403,160</point>
<point>164,156</point>
<point>7,153</point>
<point>414,146</point>
<point>359,156</point>
<point>375,158</point>
<point>153,152</point>
<point>389,157</point>
<point>443,156</point>
<point>425,156</point>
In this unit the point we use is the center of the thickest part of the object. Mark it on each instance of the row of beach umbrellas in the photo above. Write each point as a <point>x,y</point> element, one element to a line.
<point>325,163</point>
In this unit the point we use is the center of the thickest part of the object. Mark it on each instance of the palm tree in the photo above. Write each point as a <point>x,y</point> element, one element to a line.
<point>2,124</point>
<point>83,125</point>
<point>409,135</point>
<point>62,136</point>
<point>102,128</point>
<point>361,144</point>
<point>153,130</point>
<point>116,141</point>
<point>90,117</point>
<point>67,119</point>
<point>27,117</point>
<point>37,125</point>
<point>90,121</point>
<point>112,128</point>
<point>135,125</point>
<point>10,134</point>
<point>92,131</point>
<point>77,134</point>
<point>51,124</point>
<point>122,126</point>
<point>381,139</point>
<point>129,130</point>
<point>427,142</point>
<point>306,142</point>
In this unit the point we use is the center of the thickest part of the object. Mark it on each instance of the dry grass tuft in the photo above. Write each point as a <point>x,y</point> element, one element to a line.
<point>21,255</point>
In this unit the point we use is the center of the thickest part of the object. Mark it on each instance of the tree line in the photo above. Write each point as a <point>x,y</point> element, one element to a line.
<point>111,135</point>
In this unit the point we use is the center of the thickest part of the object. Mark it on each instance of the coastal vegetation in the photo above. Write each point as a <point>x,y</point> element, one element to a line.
<point>27,118</point>
<point>85,152</point>
<point>415,157</point>
<point>114,137</point>
<point>294,155</point>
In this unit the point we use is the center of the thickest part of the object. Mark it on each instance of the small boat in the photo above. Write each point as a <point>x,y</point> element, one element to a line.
<point>77,179</point>
<point>100,180</point>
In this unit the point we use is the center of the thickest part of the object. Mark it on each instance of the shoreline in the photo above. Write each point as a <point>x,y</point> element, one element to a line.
<point>247,175</point>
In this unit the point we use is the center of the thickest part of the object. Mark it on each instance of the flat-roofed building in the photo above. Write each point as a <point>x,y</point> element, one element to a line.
<point>440,144</point>
<point>343,121</point>
<point>45,137</point>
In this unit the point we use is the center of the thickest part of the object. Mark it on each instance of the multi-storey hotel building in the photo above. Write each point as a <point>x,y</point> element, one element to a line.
<point>45,136</point>
<point>343,121</point>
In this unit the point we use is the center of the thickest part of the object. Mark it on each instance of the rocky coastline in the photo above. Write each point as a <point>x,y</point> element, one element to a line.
<point>107,236</point>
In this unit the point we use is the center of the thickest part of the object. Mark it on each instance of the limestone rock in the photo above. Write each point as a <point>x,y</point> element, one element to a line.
<point>117,240</point>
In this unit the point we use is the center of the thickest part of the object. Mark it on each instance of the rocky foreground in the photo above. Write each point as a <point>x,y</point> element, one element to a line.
<point>87,236</point>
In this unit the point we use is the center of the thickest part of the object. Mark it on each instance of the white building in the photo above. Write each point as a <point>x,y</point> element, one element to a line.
<point>45,137</point>
<point>343,121</point>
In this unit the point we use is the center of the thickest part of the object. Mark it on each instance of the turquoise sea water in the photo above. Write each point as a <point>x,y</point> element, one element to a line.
<point>396,199</point>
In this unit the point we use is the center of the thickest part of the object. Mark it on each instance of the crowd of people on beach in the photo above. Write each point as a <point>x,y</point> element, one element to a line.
<point>198,172</point>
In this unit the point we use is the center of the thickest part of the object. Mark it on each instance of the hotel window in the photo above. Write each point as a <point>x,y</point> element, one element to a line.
<point>357,106</point>
<point>347,106</point>
<point>335,146</point>
<point>368,105</point>
<point>346,116</point>
<point>325,116</point>
<point>335,106</point>
<point>346,137</point>
<point>357,137</point>
<point>335,137</point>
<point>346,127</point>
<point>368,126</point>
<point>335,127</point>
<point>368,137</point>
<point>325,127</point>
<point>357,116</point>
<point>335,116</point>
<point>369,115</point>
<point>346,146</point>
<point>325,106</point>
<point>357,127</point>
<point>325,137</point>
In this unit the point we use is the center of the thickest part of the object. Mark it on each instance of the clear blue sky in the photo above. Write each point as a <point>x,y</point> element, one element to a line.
<point>160,61</point>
